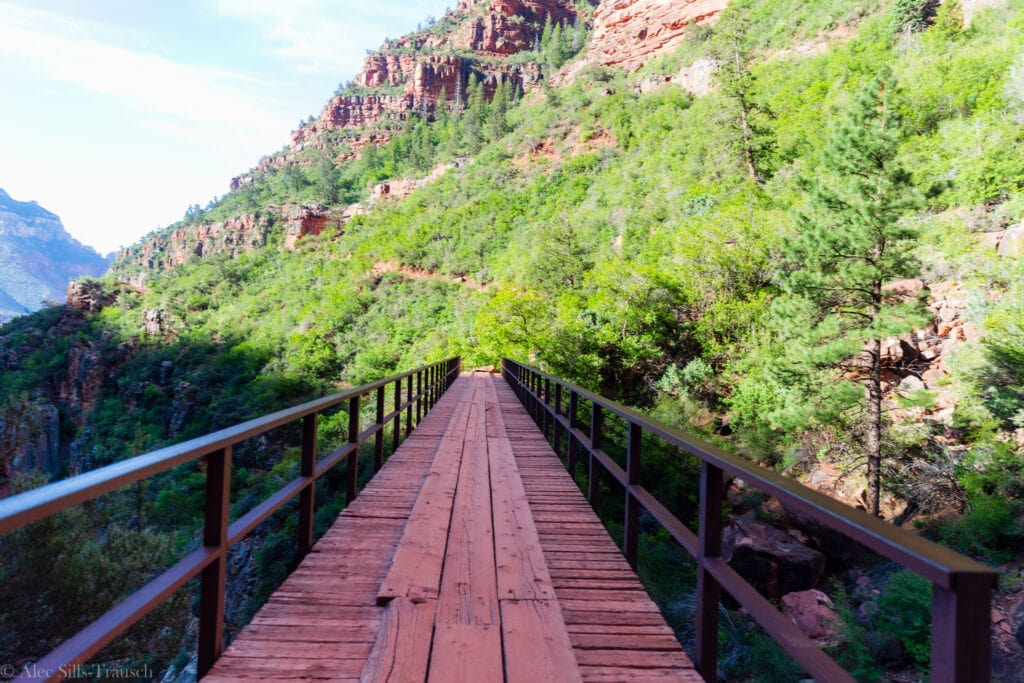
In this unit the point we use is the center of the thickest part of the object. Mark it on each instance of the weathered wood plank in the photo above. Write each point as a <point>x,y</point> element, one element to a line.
<point>416,569</point>
<point>465,653</point>
<point>469,592</point>
<point>522,571</point>
<point>537,645</point>
<point>402,646</point>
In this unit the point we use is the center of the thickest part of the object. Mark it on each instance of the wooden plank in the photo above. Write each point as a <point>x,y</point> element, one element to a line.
<point>633,659</point>
<point>537,645</point>
<point>469,592</point>
<point>621,641</point>
<point>618,674</point>
<point>522,571</point>
<point>403,643</point>
<point>416,569</point>
<point>465,653</point>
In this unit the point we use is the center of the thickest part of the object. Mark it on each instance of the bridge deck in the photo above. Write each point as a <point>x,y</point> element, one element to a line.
<point>471,556</point>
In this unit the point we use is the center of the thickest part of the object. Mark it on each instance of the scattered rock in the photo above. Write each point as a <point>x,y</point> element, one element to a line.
<point>814,614</point>
<point>771,560</point>
<point>698,78</point>
<point>1012,242</point>
<point>910,385</point>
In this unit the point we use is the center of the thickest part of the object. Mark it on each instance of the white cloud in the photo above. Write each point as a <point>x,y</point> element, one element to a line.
<point>51,48</point>
<point>328,36</point>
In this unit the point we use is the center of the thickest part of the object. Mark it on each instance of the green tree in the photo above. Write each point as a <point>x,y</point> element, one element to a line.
<point>497,119</point>
<point>732,50</point>
<point>909,16</point>
<point>475,118</point>
<point>851,241</point>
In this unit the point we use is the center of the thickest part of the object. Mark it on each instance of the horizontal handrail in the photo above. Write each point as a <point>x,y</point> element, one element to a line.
<point>21,509</point>
<point>961,587</point>
<point>209,561</point>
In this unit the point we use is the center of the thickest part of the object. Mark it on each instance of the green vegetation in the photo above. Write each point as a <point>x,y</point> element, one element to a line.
<point>662,248</point>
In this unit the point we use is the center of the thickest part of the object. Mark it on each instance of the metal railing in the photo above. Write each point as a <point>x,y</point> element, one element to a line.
<point>415,393</point>
<point>961,587</point>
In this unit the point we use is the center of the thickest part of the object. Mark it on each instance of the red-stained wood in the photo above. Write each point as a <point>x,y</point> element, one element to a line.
<point>616,631</point>
<point>537,645</point>
<point>469,592</point>
<point>522,571</point>
<point>491,563</point>
<point>402,648</point>
<point>465,653</point>
<point>416,570</point>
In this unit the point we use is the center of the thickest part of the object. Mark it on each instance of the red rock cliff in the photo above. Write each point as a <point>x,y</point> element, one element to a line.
<point>629,32</point>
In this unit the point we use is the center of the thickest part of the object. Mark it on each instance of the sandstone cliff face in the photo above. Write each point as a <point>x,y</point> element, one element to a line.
<point>37,257</point>
<point>484,28</point>
<point>233,237</point>
<point>629,32</point>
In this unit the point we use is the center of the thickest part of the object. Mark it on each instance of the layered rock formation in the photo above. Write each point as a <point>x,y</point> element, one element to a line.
<point>629,32</point>
<point>410,73</point>
<point>38,258</point>
<point>235,236</point>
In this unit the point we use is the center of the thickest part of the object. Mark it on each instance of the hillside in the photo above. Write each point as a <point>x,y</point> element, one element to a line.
<point>621,192</point>
<point>38,258</point>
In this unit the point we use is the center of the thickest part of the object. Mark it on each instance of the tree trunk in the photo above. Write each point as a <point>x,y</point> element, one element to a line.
<point>748,150</point>
<point>874,435</point>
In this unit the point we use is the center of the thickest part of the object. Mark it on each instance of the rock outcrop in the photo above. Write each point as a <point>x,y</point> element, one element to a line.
<point>629,32</point>
<point>410,73</point>
<point>773,561</point>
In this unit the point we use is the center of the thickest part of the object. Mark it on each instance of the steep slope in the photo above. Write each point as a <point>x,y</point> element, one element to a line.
<point>38,258</point>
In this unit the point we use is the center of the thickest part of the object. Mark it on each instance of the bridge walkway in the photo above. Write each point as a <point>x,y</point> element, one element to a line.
<point>470,556</point>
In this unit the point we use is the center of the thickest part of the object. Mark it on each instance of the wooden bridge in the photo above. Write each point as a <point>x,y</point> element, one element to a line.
<point>472,555</point>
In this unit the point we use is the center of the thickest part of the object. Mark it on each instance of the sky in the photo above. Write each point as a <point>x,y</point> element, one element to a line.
<point>118,114</point>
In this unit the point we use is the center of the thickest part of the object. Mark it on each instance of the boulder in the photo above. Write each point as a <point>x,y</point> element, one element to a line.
<point>1012,243</point>
<point>771,560</point>
<point>814,614</point>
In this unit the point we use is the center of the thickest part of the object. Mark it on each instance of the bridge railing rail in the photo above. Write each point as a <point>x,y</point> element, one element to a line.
<point>412,393</point>
<point>961,587</point>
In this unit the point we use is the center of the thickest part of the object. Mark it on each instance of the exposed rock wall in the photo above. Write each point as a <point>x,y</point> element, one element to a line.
<point>482,28</point>
<point>38,257</point>
<point>629,32</point>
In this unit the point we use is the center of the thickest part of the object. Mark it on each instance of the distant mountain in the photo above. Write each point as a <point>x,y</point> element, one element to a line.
<point>38,258</point>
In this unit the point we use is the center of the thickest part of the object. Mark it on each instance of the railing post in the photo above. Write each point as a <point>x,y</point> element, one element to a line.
<point>214,578</point>
<point>397,436</point>
<point>431,388</point>
<point>594,473</point>
<point>419,397</point>
<point>709,541</point>
<point>961,624</point>
<point>544,405</point>
<point>538,415</point>
<point>574,424</point>
<point>556,435</point>
<point>352,473</point>
<point>408,406</point>
<point>378,438</point>
<point>307,498</point>
<point>631,533</point>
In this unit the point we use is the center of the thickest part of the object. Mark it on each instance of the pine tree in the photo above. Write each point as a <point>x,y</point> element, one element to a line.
<point>852,240</point>
<point>908,16</point>
<point>475,118</point>
<point>732,52</point>
<point>497,119</point>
